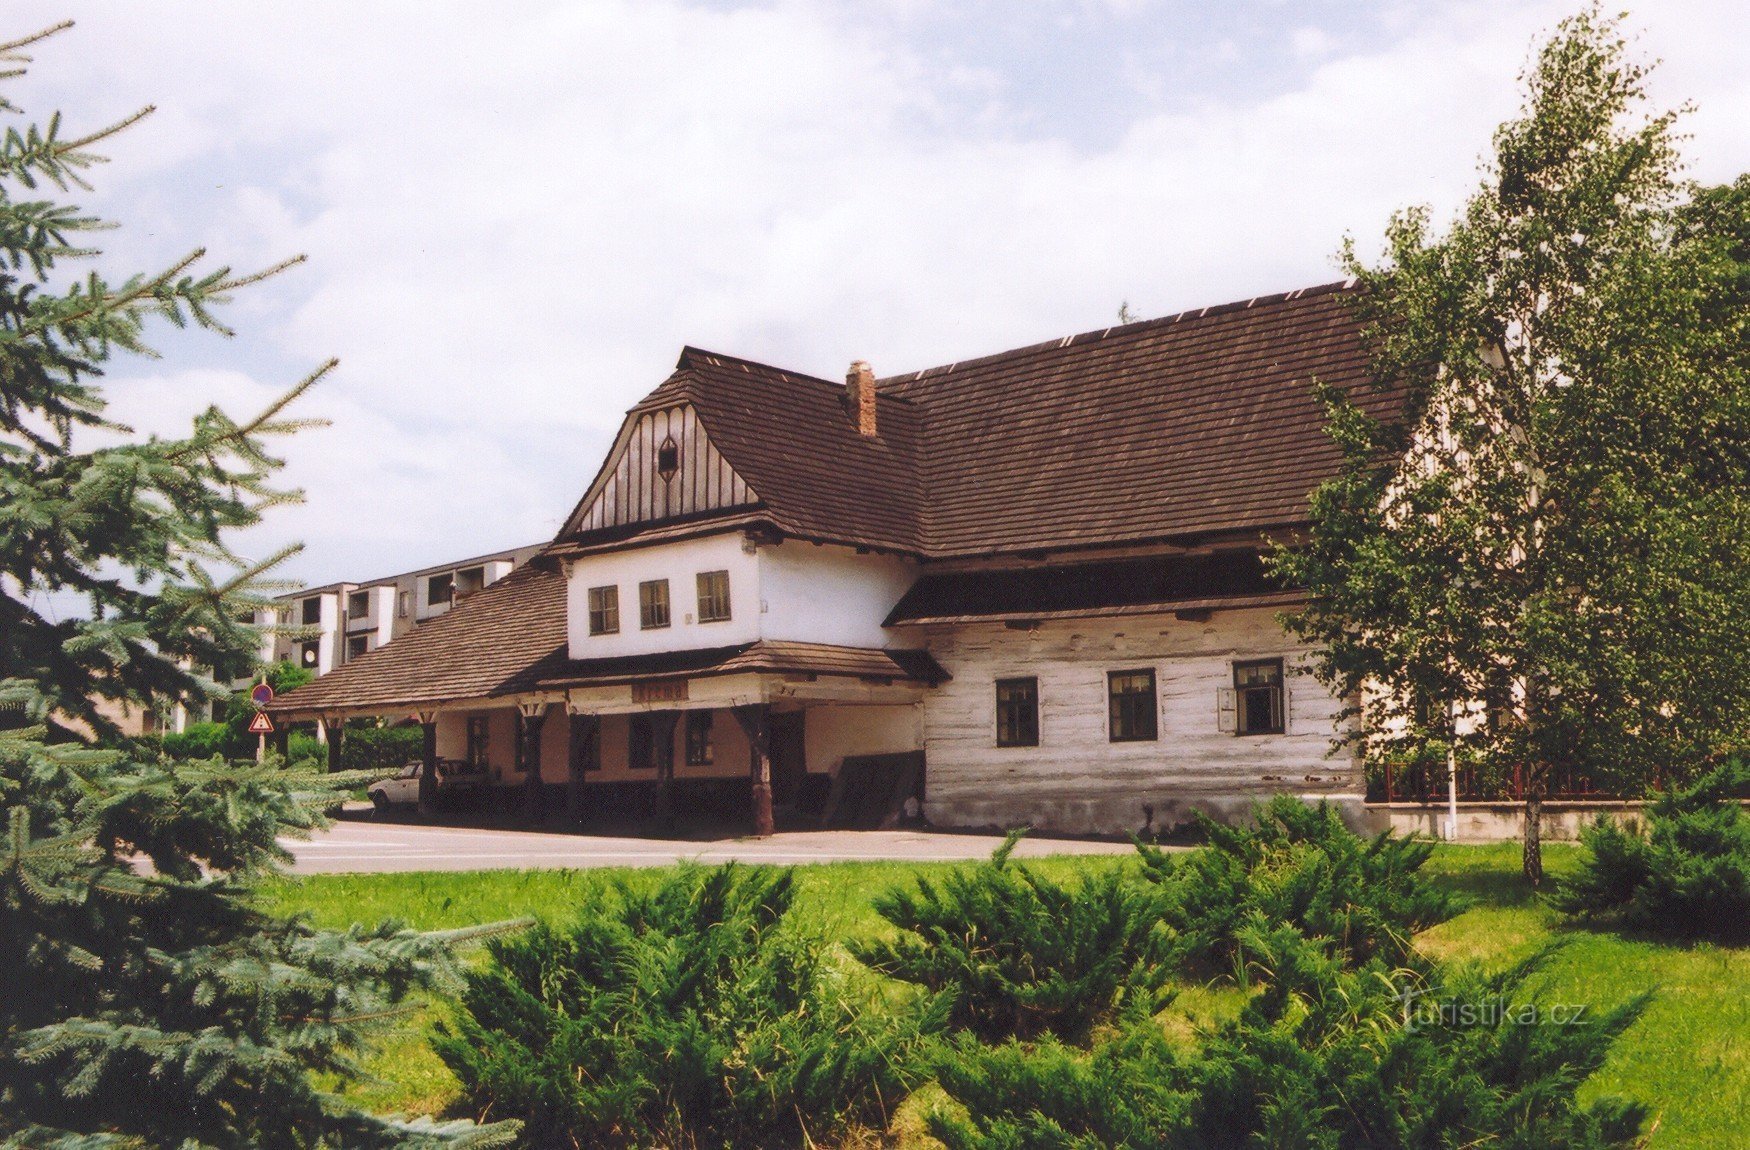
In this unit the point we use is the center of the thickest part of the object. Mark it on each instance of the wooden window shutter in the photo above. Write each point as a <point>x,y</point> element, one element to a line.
<point>1225,715</point>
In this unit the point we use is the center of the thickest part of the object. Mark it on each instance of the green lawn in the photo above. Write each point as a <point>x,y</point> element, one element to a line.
<point>1688,1057</point>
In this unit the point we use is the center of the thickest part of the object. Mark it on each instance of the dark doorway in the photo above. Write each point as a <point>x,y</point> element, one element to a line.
<point>789,757</point>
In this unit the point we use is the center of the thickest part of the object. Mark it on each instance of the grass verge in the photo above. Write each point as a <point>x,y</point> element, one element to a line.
<point>1688,1058</point>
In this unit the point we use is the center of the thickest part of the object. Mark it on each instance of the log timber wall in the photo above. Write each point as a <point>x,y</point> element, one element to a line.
<point>1076,780</point>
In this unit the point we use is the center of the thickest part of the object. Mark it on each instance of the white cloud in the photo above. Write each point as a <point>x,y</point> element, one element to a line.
<point>1311,43</point>
<point>515,221</point>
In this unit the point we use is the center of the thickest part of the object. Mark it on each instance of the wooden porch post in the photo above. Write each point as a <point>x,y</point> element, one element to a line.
<point>584,754</point>
<point>428,763</point>
<point>334,727</point>
<point>755,721</point>
<point>534,716</point>
<point>662,725</point>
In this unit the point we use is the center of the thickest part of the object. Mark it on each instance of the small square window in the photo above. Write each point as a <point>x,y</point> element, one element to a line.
<point>358,604</point>
<point>699,743</point>
<point>604,610</point>
<point>1258,697</point>
<point>1018,712</point>
<point>470,580</point>
<point>440,589</point>
<point>1130,700</point>
<point>713,596</point>
<point>312,611</point>
<point>357,645</point>
<point>653,604</point>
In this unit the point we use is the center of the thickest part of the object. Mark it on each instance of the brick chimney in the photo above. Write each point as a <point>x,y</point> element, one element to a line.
<point>860,397</point>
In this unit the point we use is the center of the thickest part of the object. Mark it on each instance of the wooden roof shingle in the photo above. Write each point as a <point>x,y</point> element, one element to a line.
<point>1194,425</point>
<point>490,643</point>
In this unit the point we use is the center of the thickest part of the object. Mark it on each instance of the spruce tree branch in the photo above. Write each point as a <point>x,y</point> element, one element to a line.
<point>35,37</point>
<point>104,133</point>
<point>110,302</point>
<point>267,273</point>
<point>240,433</point>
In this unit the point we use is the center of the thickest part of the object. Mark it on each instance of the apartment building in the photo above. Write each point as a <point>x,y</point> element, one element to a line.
<point>353,618</point>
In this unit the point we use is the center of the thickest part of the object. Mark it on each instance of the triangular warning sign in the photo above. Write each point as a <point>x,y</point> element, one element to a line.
<point>261,724</point>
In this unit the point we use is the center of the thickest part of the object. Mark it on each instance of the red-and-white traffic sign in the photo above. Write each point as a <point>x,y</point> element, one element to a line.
<point>261,724</point>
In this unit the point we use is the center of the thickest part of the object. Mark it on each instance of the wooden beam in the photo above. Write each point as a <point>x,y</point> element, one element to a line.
<point>583,744</point>
<point>755,722</point>
<point>334,727</point>
<point>530,720</point>
<point>428,763</point>
<point>662,725</point>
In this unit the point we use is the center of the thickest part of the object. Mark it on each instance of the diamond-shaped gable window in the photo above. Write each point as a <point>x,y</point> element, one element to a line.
<point>668,459</point>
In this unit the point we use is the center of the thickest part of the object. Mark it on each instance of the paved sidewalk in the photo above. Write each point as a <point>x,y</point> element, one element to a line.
<point>371,846</point>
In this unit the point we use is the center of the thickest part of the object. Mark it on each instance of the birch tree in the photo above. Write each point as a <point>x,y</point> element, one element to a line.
<point>1541,560</point>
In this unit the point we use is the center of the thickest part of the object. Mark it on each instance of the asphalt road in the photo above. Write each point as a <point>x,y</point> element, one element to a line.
<point>370,846</point>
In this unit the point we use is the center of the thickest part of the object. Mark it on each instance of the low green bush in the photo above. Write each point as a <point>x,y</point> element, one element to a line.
<point>1324,1056</point>
<point>1684,874</point>
<point>686,1015</point>
<point>199,741</point>
<point>1298,865</point>
<point>380,748</point>
<point>1025,956</point>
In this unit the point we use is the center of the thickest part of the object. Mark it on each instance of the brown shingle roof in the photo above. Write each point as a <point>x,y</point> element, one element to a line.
<point>485,645</point>
<point>1196,424</point>
<point>789,436</point>
<point>1193,425</point>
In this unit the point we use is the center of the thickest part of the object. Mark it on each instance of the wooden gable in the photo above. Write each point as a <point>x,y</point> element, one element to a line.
<point>632,487</point>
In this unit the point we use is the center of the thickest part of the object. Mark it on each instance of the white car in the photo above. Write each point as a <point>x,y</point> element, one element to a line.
<point>403,789</point>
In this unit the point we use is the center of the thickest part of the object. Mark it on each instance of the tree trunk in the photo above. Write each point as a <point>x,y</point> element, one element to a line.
<point>1533,860</point>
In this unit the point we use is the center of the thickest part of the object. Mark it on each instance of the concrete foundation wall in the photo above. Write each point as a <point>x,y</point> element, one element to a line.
<point>1494,822</point>
<point>1144,811</point>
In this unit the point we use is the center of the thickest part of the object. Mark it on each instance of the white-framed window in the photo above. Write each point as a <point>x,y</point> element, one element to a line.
<point>604,610</point>
<point>1130,706</point>
<point>653,604</point>
<point>713,596</point>
<point>1258,697</point>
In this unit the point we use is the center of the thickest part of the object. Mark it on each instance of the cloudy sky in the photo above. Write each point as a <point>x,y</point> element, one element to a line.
<point>514,221</point>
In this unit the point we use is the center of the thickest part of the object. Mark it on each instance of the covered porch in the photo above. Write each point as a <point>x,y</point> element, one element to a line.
<point>753,738</point>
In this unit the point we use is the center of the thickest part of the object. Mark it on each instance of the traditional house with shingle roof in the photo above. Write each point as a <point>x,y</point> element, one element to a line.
<point>1020,589</point>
